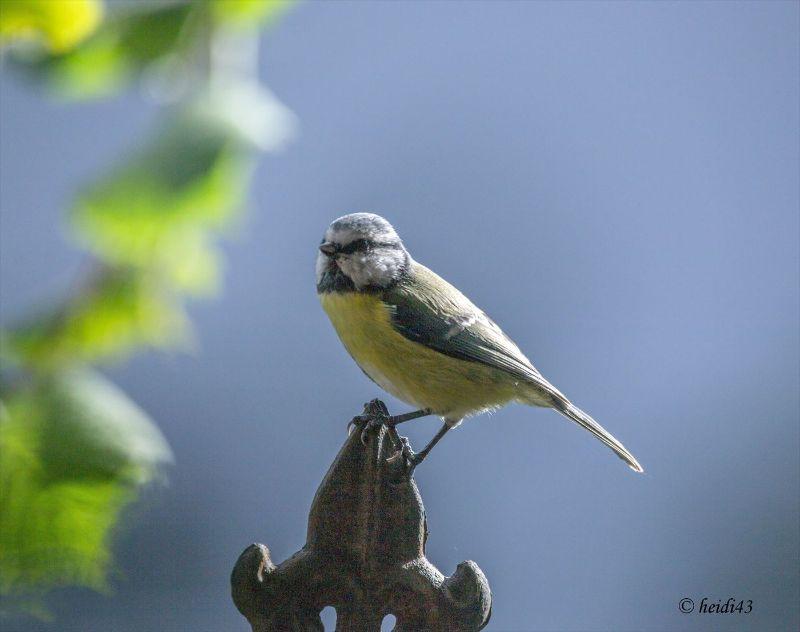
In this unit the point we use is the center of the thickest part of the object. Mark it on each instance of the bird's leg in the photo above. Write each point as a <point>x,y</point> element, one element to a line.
<point>376,414</point>
<point>415,458</point>
<point>398,419</point>
<point>420,456</point>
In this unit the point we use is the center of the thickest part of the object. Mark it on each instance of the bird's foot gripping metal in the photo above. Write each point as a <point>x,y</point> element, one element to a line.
<point>410,458</point>
<point>364,555</point>
<point>374,416</point>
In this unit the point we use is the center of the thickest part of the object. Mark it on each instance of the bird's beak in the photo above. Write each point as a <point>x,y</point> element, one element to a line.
<point>328,249</point>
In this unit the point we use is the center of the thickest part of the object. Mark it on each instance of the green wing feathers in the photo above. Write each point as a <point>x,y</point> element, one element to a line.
<point>433,313</point>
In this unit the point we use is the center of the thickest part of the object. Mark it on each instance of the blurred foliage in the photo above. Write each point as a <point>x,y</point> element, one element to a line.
<point>54,24</point>
<point>159,39</point>
<point>153,208</point>
<point>121,48</point>
<point>249,13</point>
<point>112,315</point>
<point>74,450</point>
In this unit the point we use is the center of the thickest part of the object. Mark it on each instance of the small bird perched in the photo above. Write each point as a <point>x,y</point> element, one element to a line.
<point>422,340</point>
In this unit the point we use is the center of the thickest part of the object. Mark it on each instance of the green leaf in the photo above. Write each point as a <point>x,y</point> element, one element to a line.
<point>58,25</point>
<point>74,451</point>
<point>122,47</point>
<point>118,310</point>
<point>191,264</point>
<point>249,13</point>
<point>155,210</point>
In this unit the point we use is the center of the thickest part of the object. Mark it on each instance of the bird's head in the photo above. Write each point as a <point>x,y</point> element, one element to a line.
<point>360,251</point>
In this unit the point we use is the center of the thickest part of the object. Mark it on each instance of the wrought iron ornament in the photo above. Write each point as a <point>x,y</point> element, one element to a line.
<point>364,554</point>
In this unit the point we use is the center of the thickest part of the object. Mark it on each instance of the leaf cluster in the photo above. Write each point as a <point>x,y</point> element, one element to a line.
<point>74,449</point>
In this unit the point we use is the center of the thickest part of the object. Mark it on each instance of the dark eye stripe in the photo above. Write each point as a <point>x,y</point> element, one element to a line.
<point>359,245</point>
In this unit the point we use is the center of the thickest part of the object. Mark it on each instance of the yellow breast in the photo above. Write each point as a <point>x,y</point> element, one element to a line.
<point>408,370</point>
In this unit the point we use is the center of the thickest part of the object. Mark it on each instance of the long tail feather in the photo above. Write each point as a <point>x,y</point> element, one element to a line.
<point>568,409</point>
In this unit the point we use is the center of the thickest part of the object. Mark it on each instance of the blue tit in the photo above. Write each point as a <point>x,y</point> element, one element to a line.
<point>422,340</point>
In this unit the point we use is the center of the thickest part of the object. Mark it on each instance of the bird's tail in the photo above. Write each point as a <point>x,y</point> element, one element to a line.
<point>566,408</point>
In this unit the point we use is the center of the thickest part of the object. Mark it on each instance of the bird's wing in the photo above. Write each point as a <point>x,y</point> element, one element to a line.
<point>432,312</point>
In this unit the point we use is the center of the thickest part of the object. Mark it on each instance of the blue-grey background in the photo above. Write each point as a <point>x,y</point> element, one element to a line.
<point>616,184</point>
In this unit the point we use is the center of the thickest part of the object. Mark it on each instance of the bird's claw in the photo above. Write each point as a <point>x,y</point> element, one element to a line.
<point>369,426</point>
<point>411,458</point>
<point>374,416</point>
<point>358,420</point>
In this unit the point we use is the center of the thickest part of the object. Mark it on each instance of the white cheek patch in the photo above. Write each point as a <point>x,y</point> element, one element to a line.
<point>347,267</point>
<point>321,266</point>
<point>380,267</point>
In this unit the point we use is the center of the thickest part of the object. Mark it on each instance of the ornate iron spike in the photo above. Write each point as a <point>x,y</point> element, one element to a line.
<point>364,555</point>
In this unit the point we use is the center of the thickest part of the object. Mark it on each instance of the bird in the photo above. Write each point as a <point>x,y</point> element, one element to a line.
<point>420,339</point>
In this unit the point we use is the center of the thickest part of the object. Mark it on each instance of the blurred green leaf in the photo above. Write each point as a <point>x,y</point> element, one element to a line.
<point>118,310</point>
<point>74,450</point>
<point>134,40</point>
<point>249,13</point>
<point>155,210</point>
<point>57,25</point>
<point>191,264</point>
<point>120,49</point>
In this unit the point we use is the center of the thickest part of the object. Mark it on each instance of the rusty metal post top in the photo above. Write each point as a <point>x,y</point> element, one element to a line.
<point>364,555</point>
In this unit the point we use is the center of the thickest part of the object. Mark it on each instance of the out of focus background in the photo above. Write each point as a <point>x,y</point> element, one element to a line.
<point>615,183</point>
